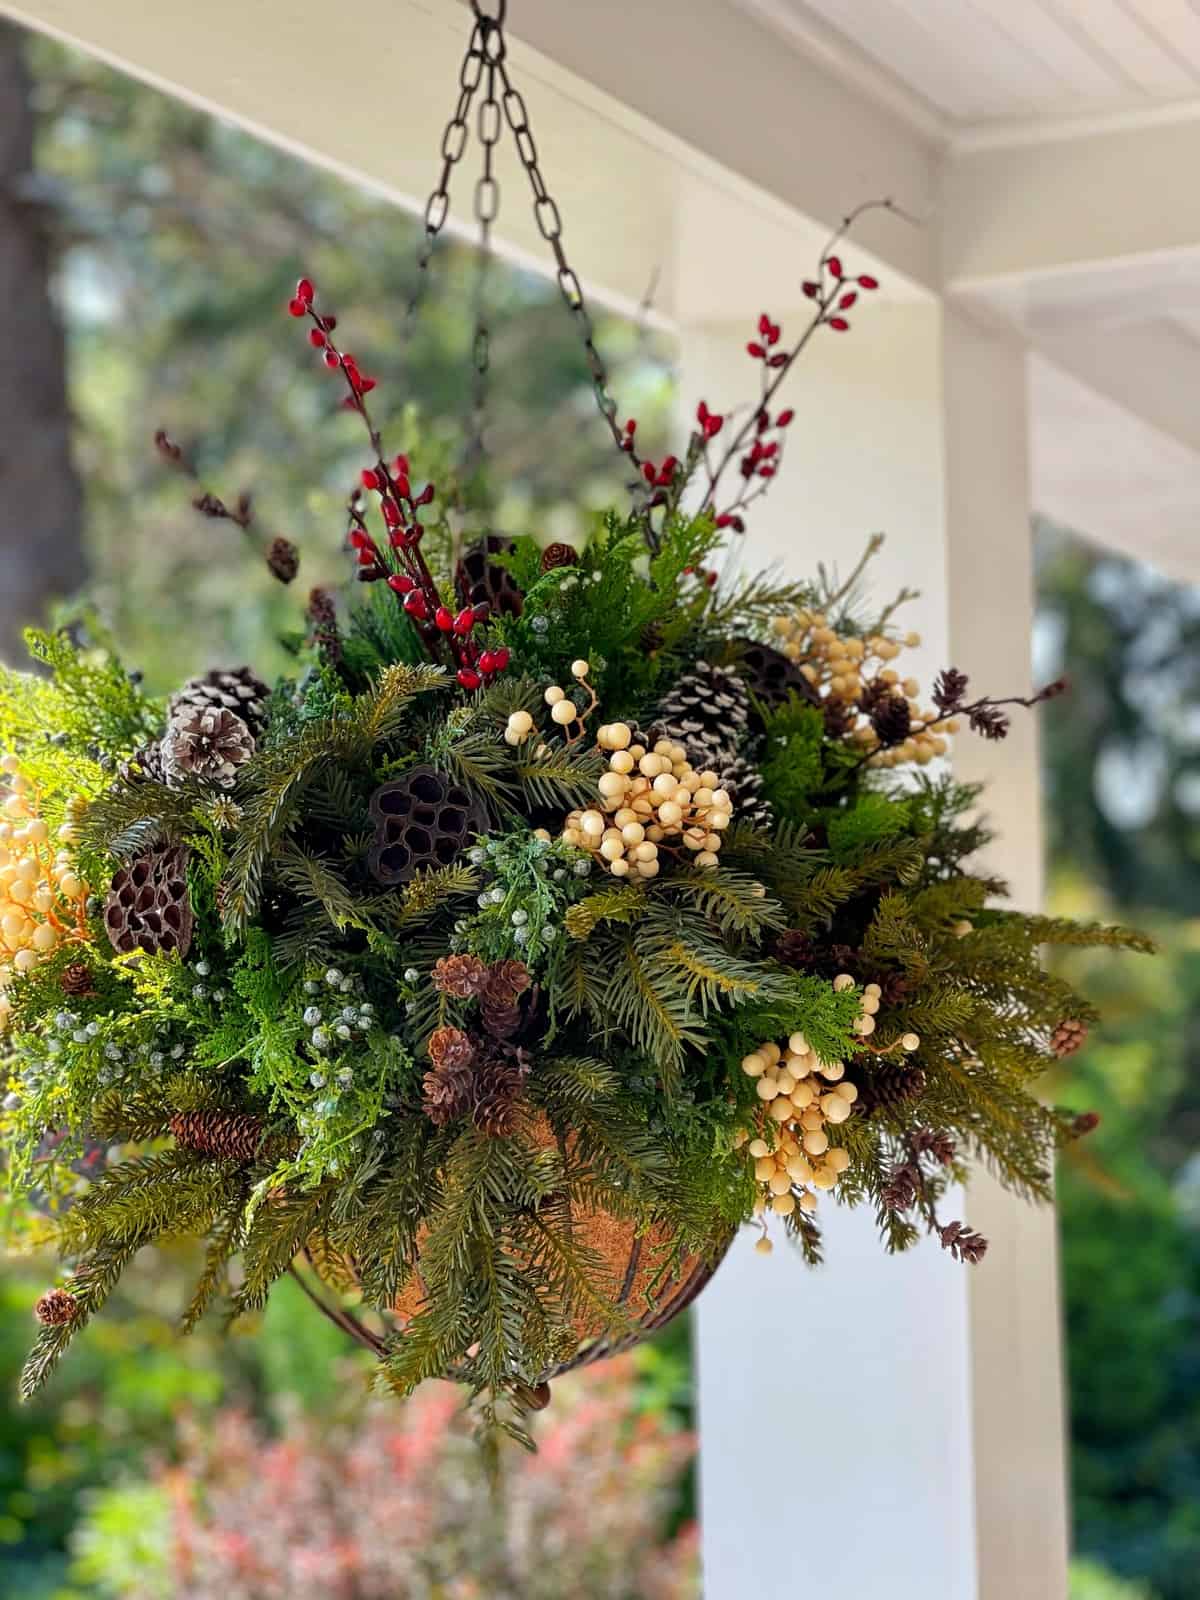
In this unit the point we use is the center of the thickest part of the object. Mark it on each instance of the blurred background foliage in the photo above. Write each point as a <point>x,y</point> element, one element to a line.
<point>174,244</point>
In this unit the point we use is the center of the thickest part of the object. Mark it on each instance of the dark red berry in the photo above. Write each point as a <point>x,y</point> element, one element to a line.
<point>778,361</point>
<point>464,622</point>
<point>755,349</point>
<point>297,308</point>
<point>835,266</point>
<point>443,619</point>
<point>425,496</point>
<point>370,478</point>
<point>366,557</point>
<point>811,289</point>
<point>838,324</point>
<point>866,281</point>
<point>316,338</point>
<point>305,291</point>
<point>764,324</point>
<point>847,300</point>
<point>401,583</point>
<point>482,611</point>
<point>503,657</point>
<point>391,513</point>
<point>359,540</point>
<point>469,678</point>
<point>416,606</point>
<point>332,359</point>
<point>784,418</point>
<point>487,663</point>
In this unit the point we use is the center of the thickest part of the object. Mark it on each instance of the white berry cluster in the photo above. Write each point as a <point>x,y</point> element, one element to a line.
<point>564,713</point>
<point>848,669</point>
<point>648,799</point>
<point>42,898</point>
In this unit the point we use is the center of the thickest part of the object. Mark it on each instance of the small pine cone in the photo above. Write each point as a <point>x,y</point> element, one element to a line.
<point>892,720</point>
<point>231,1135</point>
<point>451,1049</point>
<point>1068,1037</point>
<point>501,1018</point>
<point>462,976</point>
<point>508,980</point>
<point>145,765</point>
<point>208,745</point>
<point>882,1084</point>
<point>796,949</point>
<point>498,1088</point>
<point>559,555</point>
<point>744,783</point>
<point>963,1243</point>
<point>449,1092</point>
<point>236,689</point>
<point>56,1308</point>
<point>283,559</point>
<point>77,981</point>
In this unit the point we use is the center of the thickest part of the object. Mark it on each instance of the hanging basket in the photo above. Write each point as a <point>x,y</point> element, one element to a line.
<point>649,1288</point>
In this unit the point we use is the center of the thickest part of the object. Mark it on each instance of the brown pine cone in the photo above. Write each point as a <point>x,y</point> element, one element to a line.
<point>56,1308</point>
<point>145,765</point>
<point>501,1018</point>
<point>499,1084</point>
<point>283,559</point>
<point>507,979</point>
<point>892,720</point>
<point>882,1084</point>
<point>1068,1037</point>
<point>450,1049</point>
<point>230,1135</point>
<point>559,555</point>
<point>462,976</point>
<point>796,949</point>
<point>449,1092</point>
<point>236,689</point>
<point>77,981</point>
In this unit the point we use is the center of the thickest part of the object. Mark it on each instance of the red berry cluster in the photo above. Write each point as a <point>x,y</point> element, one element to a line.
<point>834,303</point>
<point>662,476</point>
<point>400,508</point>
<point>710,423</point>
<point>768,337</point>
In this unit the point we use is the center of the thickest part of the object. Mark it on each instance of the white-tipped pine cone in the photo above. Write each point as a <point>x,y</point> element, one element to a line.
<point>206,744</point>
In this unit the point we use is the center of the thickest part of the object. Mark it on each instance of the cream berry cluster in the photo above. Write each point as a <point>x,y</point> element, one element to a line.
<point>804,1096</point>
<point>42,899</point>
<point>650,799</point>
<point>857,674</point>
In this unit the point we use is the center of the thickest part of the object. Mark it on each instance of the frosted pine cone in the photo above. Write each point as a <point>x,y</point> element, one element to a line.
<point>206,744</point>
<point>237,689</point>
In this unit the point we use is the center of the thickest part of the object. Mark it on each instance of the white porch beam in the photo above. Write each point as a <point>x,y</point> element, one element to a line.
<point>365,89</point>
<point>1071,200</point>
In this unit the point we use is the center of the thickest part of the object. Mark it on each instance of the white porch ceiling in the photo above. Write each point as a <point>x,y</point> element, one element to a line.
<point>959,63</point>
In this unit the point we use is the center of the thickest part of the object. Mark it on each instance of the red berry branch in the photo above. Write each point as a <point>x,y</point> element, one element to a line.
<point>403,567</point>
<point>757,445</point>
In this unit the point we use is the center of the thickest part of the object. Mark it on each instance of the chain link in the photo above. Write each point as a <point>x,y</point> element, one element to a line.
<point>485,65</point>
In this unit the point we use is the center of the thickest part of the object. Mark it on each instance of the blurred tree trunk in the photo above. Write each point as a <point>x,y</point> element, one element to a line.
<point>41,553</point>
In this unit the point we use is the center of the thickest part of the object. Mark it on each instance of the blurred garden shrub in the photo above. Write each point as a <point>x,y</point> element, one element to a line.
<point>395,1504</point>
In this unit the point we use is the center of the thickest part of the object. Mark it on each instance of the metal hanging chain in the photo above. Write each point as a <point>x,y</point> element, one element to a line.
<point>486,62</point>
<point>487,208</point>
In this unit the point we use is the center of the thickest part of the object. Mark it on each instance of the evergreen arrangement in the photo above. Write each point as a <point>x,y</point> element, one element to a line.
<point>563,911</point>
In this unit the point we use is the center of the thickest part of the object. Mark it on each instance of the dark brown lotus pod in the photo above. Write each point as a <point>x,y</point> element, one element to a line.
<point>479,581</point>
<point>770,676</point>
<point>422,820</point>
<point>148,906</point>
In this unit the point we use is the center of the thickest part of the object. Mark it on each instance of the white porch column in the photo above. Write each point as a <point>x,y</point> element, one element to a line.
<point>1016,1360</point>
<point>914,1399</point>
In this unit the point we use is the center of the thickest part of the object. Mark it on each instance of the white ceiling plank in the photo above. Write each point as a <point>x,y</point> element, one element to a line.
<point>999,57</point>
<point>1081,66</point>
<point>1151,64</point>
<point>1174,21</point>
<point>915,52</point>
